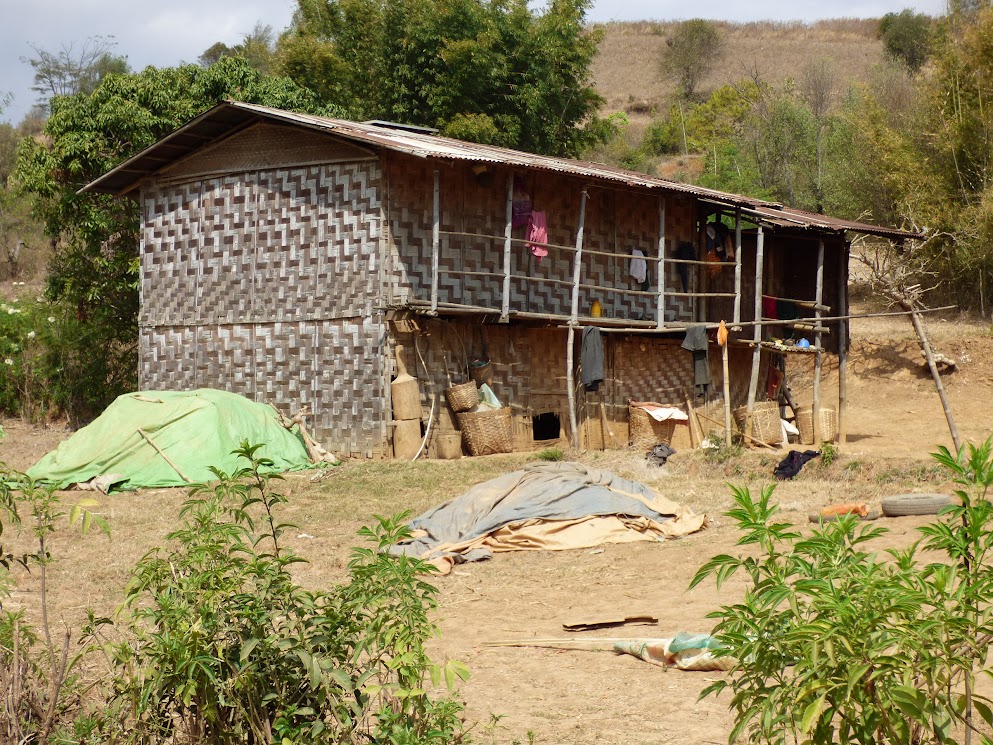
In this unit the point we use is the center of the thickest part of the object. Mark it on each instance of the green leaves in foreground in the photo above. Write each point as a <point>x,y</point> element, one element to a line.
<point>227,647</point>
<point>836,643</point>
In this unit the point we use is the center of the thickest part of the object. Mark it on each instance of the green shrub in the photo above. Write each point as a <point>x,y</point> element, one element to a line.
<point>834,643</point>
<point>40,683</point>
<point>52,364</point>
<point>228,648</point>
<point>550,454</point>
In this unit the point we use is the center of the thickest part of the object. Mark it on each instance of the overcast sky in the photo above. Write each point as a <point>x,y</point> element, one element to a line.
<point>166,33</point>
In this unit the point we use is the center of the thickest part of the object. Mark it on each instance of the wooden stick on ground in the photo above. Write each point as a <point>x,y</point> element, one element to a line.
<point>747,437</point>
<point>165,457</point>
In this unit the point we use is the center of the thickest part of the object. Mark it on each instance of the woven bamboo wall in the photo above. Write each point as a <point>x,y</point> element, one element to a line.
<point>616,221</point>
<point>266,283</point>
<point>529,374</point>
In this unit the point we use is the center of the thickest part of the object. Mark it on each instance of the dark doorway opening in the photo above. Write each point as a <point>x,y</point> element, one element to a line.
<point>546,426</point>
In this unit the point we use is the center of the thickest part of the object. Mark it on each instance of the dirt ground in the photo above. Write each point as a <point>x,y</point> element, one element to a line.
<point>548,696</point>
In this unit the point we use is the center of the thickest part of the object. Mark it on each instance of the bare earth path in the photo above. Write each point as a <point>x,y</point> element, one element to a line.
<point>895,420</point>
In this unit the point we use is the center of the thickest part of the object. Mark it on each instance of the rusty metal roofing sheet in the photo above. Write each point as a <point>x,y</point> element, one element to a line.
<point>230,116</point>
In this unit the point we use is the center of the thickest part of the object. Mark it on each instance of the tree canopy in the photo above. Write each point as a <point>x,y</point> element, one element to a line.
<point>691,50</point>
<point>494,72</point>
<point>95,267</point>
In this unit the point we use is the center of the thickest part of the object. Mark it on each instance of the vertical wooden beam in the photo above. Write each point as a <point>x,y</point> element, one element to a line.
<point>660,268</point>
<point>753,383</point>
<point>570,347</point>
<point>573,322</point>
<point>737,266</point>
<point>435,242</point>
<point>818,354</point>
<point>507,234</point>
<point>842,344</point>
<point>578,259</point>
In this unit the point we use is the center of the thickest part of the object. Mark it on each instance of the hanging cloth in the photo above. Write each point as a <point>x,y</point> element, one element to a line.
<point>638,271</point>
<point>538,232</point>
<point>696,343</point>
<point>521,204</point>
<point>686,251</point>
<point>591,358</point>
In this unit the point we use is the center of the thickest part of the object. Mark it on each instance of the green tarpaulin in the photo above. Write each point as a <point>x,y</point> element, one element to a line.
<point>193,429</point>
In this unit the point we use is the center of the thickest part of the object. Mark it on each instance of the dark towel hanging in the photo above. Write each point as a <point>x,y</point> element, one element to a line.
<point>591,358</point>
<point>696,342</point>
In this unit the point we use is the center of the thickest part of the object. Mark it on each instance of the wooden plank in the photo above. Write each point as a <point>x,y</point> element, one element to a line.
<point>753,382</point>
<point>435,241</point>
<point>507,239</point>
<point>818,358</point>
<point>737,266</point>
<point>660,269</point>
<point>842,344</point>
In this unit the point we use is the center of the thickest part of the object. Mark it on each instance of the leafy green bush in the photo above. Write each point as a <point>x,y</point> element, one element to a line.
<point>549,454</point>
<point>835,643</point>
<point>40,683</point>
<point>53,363</point>
<point>907,37</point>
<point>228,648</point>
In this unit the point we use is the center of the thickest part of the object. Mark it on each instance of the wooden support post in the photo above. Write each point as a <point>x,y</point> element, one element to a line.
<point>660,269</point>
<point>578,259</point>
<point>929,354</point>
<point>737,266</point>
<point>819,354</point>
<point>571,387</point>
<point>843,325</point>
<point>727,394</point>
<point>435,242</point>
<point>508,234</point>
<point>573,321</point>
<point>753,382</point>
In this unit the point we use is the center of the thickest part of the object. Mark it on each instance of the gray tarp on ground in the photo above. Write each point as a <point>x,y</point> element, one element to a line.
<point>546,506</point>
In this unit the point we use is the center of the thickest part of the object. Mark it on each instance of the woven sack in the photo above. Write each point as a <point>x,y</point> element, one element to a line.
<point>767,427</point>
<point>829,424</point>
<point>463,397</point>
<point>486,432</point>
<point>645,432</point>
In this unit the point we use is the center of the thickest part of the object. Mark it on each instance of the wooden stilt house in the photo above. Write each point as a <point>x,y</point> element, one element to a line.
<point>285,256</point>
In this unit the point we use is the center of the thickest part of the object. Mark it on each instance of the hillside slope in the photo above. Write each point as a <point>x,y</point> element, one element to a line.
<point>626,70</point>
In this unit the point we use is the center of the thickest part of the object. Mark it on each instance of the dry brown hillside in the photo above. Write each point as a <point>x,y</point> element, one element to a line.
<point>626,70</point>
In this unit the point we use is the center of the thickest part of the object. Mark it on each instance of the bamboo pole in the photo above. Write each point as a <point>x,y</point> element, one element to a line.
<point>578,258</point>
<point>727,394</point>
<point>165,457</point>
<point>435,241</point>
<point>753,382</point>
<point>573,318</point>
<point>571,393</point>
<point>818,355</point>
<point>737,266</point>
<point>660,269</point>
<point>929,354</point>
<point>842,346</point>
<point>508,230</point>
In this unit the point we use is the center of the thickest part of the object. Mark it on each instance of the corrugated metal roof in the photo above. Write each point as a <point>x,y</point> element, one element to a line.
<point>229,117</point>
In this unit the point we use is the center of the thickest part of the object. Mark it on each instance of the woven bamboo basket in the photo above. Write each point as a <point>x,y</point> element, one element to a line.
<point>645,433</point>
<point>767,427</point>
<point>829,424</point>
<point>463,397</point>
<point>486,432</point>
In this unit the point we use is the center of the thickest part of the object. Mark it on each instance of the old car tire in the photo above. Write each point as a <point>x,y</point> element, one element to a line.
<point>914,504</point>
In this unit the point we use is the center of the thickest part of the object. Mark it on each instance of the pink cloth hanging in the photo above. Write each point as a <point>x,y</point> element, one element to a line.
<point>538,232</point>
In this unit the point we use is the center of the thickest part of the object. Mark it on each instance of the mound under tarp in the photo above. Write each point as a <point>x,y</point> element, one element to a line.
<point>545,507</point>
<point>155,438</point>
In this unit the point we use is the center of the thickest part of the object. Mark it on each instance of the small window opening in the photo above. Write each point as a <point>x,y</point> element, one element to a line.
<point>546,426</point>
